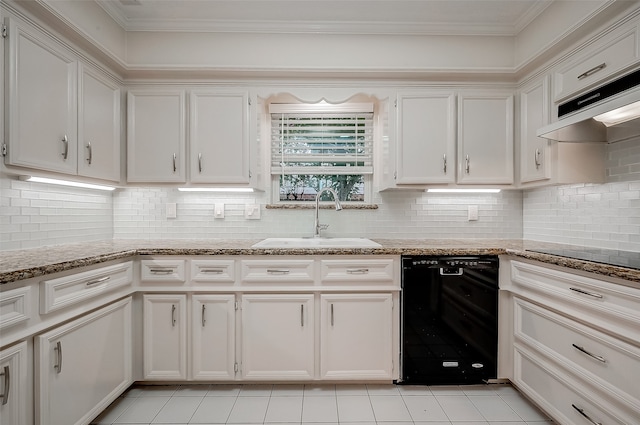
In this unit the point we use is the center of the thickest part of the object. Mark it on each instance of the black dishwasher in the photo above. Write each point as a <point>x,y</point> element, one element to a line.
<point>449,319</point>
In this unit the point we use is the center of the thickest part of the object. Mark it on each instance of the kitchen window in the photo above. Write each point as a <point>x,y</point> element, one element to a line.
<point>321,145</point>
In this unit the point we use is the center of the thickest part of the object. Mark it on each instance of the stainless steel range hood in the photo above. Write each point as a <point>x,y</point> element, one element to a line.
<point>607,114</point>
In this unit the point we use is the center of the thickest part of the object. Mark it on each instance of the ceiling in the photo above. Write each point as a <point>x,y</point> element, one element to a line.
<point>430,17</point>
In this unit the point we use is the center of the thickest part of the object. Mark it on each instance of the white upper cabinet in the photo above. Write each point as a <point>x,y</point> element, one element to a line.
<point>534,113</point>
<point>42,107</point>
<point>425,137</point>
<point>219,137</point>
<point>156,134</point>
<point>99,126</point>
<point>485,138</point>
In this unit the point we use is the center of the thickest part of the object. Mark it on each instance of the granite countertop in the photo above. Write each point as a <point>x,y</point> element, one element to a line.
<point>27,263</point>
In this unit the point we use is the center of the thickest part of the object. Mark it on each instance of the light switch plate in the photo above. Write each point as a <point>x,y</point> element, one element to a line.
<point>218,211</point>
<point>252,212</point>
<point>171,210</point>
<point>473,213</point>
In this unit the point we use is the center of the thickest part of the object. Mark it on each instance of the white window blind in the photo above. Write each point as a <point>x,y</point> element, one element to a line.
<point>321,139</point>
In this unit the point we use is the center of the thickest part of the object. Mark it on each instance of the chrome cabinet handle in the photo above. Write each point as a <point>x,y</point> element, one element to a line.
<point>467,166</point>
<point>581,411</point>
<point>595,356</point>
<point>175,167</point>
<point>161,271</point>
<point>537,158</point>
<point>212,271</point>
<point>332,316</point>
<point>277,271</point>
<point>357,271</point>
<point>302,315</point>
<point>203,319</point>
<point>592,71</point>
<point>7,385</point>
<point>58,349</point>
<point>173,315</point>
<point>65,153</point>
<point>200,162</point>
<point>444,163</point>
<point>591,294</point>
<point>90,157</point>
<point>96,281</point>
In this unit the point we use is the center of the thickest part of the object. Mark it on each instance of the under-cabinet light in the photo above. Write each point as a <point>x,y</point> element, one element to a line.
<point>620,115</point>
<point>215,189</point>
<point>463,190</point>
<point>65,183</point>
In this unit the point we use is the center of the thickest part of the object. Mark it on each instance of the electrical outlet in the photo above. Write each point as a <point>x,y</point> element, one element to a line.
<point>473,213</point>
<point>171,210</point>
<point>252,212</point>
<point>218,211</point>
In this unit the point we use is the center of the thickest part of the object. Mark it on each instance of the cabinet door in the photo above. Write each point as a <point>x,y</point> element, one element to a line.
<point>485,138</point>
<point>43,101</point>
<point>356,336</point>
<point>534,150</point>
<point>156,136</point>
<point>219,137</point>
<point>426,138</point>
<point>13,385</point>
<point>98,126</point>
<point>277,337</point>
<point>165,336</point>
<point>83,366</point>
<point>213,332</point>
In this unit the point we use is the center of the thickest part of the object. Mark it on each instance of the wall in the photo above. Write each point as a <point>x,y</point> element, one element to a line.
<point>593,215</point>
<point>35,214</point>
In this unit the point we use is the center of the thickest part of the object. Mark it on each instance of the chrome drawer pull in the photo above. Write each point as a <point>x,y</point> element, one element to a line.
<point>467,166</point>
<point>591,294</point>
<point>581,349</point>
<point>212,271</point>
<point>332,316</point>
<point>58,349</point>
<point>592,71</point>
<point>302,315</point>
<point>161,271</point>
<point>65,154</point>
<point>277,271</point>
<point>96,281</point>
<point>175,167</point>
<point>203,319</point>
<point>581,411</point>
<point>7,385</point>
<point>357,271</point>
<point>444,163</point>
<point>90,157</point>
<point>173,315</point>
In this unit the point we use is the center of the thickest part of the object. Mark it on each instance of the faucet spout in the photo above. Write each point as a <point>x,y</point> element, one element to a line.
<point>317,226</point>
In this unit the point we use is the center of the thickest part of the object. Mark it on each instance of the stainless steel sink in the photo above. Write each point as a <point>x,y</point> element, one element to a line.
<point>317,243</point>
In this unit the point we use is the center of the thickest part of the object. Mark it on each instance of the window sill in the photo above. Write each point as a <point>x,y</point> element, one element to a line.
<point>312,206</point>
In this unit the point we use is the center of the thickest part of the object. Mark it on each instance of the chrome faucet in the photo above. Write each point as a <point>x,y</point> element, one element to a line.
<point>317,226</point>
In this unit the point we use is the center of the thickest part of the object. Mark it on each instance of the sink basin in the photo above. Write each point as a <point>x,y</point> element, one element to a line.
<point>317,243</point>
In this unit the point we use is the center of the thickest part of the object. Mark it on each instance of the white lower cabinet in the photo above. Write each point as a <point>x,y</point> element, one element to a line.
<point>83,365</point>
<point>213,328</point>
<point>356,336</point>
<point>165,336</point>
<point>13,384</point>
<point>278,336</point>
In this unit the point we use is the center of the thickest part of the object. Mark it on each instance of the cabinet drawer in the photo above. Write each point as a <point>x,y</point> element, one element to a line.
<point>15,306</point>
<point>595,66</point>
<point>275,271</point>
<point>357,271</point>
<point>162,271</point>
<point>606,359</point>
<point>65,291</point>
<point>561,396</point>
<point>218,271</point>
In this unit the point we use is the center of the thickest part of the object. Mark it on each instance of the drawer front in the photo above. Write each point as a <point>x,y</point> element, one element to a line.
<point>65,291</point>
<point>15,306</point>
<point>605,358</point>
<point>168,271</point>
<point>216,271</point>
<point>593,69</point>
<point>357,271</point>
<point>561,397</point>
<point>277,272</point>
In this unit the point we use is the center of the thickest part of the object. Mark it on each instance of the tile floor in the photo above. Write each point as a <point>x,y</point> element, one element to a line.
<point>322,405</point>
